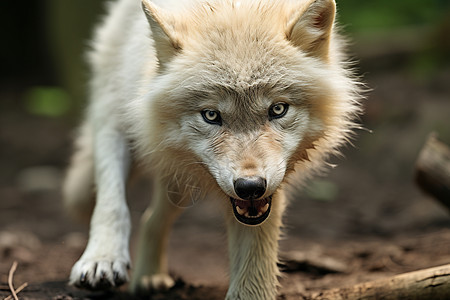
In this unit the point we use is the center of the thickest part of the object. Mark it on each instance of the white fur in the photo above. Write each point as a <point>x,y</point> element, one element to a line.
<point>152,75</point>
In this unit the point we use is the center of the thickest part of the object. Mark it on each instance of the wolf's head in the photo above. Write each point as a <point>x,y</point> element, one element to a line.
<point>248,91</point>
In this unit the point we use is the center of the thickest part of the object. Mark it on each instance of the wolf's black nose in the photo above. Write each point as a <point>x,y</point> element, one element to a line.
<point>250,187</point>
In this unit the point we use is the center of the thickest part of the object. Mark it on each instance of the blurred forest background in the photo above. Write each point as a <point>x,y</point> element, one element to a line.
<point>402,49</point>
<point>44,42</point>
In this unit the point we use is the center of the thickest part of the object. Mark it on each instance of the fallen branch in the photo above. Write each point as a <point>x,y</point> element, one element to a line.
<point>433,283</point>
<point>14,292</point>
<point>18,290</point>
<point>10,280</point>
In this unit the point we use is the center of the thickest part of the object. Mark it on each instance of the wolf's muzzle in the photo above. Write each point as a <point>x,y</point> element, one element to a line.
<point>251,208</point>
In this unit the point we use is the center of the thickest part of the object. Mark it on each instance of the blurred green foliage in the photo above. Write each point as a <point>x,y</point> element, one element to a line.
<point>408,36</point>
<point>383,15</point>
<point>47,101</point>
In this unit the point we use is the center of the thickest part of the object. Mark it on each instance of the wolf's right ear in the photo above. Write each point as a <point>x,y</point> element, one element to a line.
<point>163,26</point>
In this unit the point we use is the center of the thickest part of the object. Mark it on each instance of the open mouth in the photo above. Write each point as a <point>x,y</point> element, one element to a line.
<point>251,212</point>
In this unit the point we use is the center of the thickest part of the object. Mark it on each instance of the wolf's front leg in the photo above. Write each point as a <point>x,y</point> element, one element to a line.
<point>151,270</point>
<point>106,260</point>
<point>254,256</point>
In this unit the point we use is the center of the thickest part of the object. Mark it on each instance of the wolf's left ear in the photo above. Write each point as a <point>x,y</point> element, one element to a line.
<point>310,29</point>
<point>163,26</point>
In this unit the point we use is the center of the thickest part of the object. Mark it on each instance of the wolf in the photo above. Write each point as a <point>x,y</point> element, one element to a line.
<point>225,100</point>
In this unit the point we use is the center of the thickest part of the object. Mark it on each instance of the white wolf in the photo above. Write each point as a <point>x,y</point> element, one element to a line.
<point>226,97</point>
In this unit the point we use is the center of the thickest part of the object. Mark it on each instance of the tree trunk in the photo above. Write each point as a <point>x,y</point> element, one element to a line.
<point>433,170</point>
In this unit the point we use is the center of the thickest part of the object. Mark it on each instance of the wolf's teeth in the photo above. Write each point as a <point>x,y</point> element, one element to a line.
<point>246,213</point>
<point>240,210</point>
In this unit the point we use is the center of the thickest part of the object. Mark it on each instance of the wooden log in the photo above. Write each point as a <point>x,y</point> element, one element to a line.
<point>433,283</point>
<point>433,170</point>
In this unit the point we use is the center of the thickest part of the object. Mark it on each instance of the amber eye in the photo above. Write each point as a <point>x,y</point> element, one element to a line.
<point>278,110</point>
<point>211,117</point>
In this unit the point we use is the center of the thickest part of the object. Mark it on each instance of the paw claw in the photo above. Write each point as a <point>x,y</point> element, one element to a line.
<point>83,278</point>
<point>99,275</point>
<point>118,280</point>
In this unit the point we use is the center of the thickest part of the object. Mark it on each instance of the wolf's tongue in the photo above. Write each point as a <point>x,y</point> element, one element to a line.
<point>251,208</point>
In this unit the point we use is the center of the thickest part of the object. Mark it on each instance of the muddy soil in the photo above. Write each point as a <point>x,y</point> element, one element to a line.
<point>366,220</point>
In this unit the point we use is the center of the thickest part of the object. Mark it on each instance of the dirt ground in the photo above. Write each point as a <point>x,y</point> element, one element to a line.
<point>366,220</point>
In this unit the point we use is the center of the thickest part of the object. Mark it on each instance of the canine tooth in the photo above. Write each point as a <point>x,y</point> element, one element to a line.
<point>240,210</point>
<point>264,208</point>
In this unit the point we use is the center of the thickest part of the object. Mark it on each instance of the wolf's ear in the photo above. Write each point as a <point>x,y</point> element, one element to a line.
<point>310,29</point>
<point>165,36</point>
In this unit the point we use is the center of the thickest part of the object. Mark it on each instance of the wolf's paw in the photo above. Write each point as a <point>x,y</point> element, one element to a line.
<point>148,283</point>
<point>99,274</point>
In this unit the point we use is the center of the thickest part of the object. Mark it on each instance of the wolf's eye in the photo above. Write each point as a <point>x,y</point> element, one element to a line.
<point>278,110</point>
<point>211,117</point>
